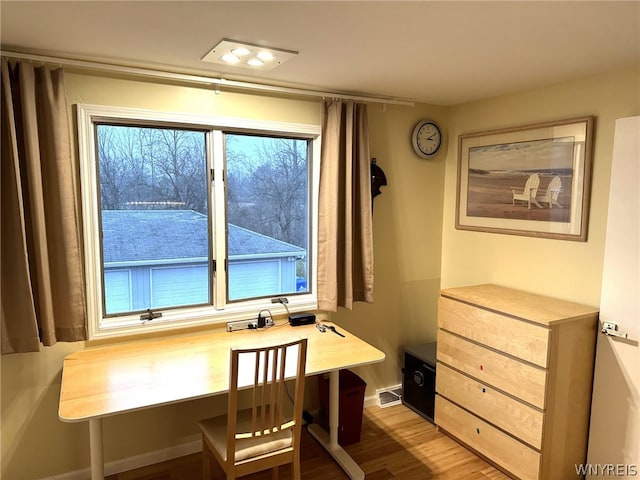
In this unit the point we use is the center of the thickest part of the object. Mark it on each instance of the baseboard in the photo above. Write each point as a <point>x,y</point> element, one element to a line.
<point>194,445</point>
<point>131,463</point>
<point>370,401</point>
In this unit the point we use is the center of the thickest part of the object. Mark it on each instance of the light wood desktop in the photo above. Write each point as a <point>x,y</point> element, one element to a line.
<point>104,381</point>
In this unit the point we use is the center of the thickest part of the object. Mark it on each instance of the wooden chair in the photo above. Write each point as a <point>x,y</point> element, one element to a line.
<point>529,191</point>
<point>553,192</point>
<point>267,434</point>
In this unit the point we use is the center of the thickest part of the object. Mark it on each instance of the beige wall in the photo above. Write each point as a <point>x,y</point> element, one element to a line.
<point>35,444</point>
<point>407,221</point>
<point>31,382</point>
<point>564,269</point>
<point>416,247</point>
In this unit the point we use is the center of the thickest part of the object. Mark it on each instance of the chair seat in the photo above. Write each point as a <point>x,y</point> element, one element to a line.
<point>215,429</point>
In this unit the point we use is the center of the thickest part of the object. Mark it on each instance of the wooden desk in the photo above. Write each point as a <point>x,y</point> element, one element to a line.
<point>104,381</point>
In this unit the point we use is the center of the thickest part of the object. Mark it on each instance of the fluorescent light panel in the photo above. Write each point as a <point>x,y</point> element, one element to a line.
<point>247,55</point>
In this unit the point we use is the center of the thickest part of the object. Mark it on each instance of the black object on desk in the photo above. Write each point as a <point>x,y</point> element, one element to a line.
<point>419,379</point>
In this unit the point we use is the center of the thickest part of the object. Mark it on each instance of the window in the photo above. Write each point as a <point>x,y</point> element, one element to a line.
<point>267,215</point>
<point>194,219</point>
<point>153,216</point>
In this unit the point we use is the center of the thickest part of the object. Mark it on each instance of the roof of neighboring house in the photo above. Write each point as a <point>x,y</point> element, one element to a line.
<point>139,235</point>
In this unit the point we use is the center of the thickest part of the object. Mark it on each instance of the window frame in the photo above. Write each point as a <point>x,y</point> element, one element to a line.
<point>219,311</point>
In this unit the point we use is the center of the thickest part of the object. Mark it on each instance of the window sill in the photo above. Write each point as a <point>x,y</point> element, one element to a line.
<point>195,318</point>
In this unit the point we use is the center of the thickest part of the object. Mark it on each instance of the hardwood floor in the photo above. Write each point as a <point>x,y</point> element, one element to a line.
<point>395,443</point>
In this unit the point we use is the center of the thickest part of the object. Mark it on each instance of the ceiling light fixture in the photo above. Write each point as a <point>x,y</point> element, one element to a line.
<point>241,54</point>
<point>265,56</point>
<point>230,58</point>
<point>241,51</point>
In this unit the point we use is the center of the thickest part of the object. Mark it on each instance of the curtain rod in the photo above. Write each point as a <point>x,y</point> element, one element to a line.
<point>202,80</point>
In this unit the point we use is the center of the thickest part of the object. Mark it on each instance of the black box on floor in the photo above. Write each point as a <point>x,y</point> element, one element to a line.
<point>419,379</point>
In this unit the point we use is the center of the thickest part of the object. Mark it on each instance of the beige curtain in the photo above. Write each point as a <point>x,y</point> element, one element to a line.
<point>42,298</point>
<point>345,234</point>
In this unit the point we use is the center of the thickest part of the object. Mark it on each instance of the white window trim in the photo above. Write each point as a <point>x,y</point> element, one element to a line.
<point>180,318</point>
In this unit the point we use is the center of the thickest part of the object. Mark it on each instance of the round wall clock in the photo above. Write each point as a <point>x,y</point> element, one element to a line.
<point>426,138</point>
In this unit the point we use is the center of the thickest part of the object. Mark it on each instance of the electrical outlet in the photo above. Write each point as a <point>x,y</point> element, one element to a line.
<point>247,324</point>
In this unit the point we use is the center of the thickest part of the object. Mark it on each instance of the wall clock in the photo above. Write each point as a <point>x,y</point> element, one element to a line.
<point>426,138</point>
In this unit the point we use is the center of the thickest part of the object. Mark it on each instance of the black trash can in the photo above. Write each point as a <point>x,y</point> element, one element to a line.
<point>352,389</point>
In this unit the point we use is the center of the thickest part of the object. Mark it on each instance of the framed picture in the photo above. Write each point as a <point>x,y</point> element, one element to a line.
<point>532,180</point>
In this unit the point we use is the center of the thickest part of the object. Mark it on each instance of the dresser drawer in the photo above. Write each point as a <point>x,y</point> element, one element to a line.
<point>497,446</point>
<point>522,421</point>
<point>521,339</point>
<point>524,381</point>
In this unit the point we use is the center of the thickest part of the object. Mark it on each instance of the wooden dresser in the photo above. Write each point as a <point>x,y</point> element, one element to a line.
<point>514,377</point>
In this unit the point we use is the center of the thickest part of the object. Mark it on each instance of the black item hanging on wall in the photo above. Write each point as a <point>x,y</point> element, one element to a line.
<point>378,179</point>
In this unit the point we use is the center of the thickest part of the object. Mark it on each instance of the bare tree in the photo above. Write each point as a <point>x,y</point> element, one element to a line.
<point>274,181</point>
<point>112,172</point>
<point>147,166</point>
<point>182,163</point>
<point>266,177</point>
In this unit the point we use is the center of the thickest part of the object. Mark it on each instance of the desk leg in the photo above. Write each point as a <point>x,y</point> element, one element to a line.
<point>330,441</point>
<point>95,446</point>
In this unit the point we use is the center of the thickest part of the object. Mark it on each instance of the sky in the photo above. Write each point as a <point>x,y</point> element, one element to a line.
<point>530,155</point>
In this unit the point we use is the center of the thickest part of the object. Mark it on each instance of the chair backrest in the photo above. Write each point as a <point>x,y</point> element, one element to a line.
<point>264,371</point>
<point>555,185</point>
<point>531,187</point>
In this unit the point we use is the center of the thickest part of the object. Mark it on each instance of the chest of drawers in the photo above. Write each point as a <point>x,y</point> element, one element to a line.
<point>514,378</point>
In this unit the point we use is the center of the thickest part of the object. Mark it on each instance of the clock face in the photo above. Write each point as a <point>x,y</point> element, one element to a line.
<point>427,139</point>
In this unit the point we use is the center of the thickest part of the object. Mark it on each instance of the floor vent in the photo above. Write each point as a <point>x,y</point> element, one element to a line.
<point>389,396</point>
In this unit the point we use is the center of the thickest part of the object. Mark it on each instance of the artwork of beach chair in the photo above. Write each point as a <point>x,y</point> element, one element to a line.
<point>529,192</point>
<point>553,191</point>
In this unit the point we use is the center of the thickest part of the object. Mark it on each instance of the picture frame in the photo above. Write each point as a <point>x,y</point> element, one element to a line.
<point>532,180</point>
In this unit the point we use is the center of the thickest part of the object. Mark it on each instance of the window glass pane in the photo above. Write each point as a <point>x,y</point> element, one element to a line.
<point>254,278</point>
<point>117,285</point>
<point>186,282</point>
<point>267,216</point>
<point>154,217</point>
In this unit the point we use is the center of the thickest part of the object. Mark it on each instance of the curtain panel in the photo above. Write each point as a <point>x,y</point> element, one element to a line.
<point>43,296</point>
<point>345,232</point>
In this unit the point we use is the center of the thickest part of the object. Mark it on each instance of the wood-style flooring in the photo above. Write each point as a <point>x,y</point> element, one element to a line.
<point>395,443</point>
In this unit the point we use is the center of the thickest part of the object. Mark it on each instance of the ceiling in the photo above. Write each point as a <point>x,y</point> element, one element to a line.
<point>435,52</point>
